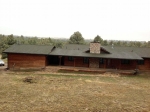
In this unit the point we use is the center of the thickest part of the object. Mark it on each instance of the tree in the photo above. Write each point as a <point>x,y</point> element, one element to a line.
<point>105,42</point>
<point>76,38</point>
<point>58,44</point>
<point>98,39</point>
<point>11,40</point>
<point>148,44</point>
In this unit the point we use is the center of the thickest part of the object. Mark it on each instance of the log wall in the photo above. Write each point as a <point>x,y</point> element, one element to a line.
<point>77,62</point>
<point>146,65</point>
<point>67,62</point>
<point>116,64</point>
<point>26,60</point>
<point>30,60</point>
<point>131,66</point>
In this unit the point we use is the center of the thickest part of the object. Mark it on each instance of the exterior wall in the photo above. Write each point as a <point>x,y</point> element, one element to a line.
<point>77,62</point>
<point>146,65</point>
<point>95,47</point>
<point>26,60</point>
<point>67,62</point>
<point>94,62</point>
<point>112,63</point>
<point>30,60</point>
<point>116,64</point>
<point>101,65</point>
<point>108,64</point>
<point>131,66</point>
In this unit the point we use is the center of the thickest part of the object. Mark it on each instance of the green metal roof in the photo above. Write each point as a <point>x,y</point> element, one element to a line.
<point>76,47</point>
<point>80,51</point>
<point>29,49</point>
<point>141,51</point>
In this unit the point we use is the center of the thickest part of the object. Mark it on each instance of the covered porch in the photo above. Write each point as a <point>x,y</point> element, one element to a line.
<point>91,71</point>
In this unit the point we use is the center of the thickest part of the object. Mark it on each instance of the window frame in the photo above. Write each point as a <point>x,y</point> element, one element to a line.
<point>70,58</point>
<point>101,60</point>
<point>140,62</point>
<point>125,61</point>
<point>85,60</point>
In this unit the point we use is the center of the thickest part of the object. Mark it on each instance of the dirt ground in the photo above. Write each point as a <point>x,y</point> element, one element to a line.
<point>49,91</point>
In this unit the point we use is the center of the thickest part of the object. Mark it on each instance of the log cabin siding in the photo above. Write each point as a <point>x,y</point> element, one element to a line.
<point>26,60</point>
<point>80,63</point>
<point>77,62</point>
<point>115,64</point>
<point>146,65</point>
<point>67,62</point>
<point>31,60</point>
<point>131,66</point>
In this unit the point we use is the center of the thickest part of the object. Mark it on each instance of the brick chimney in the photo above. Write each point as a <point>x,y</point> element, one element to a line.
<point>95,47</point>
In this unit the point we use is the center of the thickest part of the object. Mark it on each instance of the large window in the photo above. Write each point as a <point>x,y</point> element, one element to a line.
<point>70,58</point>
<point>101,61</point>
<point>125,61</point>
<point>85,60</point>
<point>140,62</point>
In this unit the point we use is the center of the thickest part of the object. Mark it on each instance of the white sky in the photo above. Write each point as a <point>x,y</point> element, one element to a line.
<point>111,19</point>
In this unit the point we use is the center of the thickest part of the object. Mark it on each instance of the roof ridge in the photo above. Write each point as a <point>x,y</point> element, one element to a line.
<point>33,45</point>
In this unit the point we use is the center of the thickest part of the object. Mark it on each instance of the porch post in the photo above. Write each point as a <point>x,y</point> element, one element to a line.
<point>105,63</point>
<point>120,64</point>
<point>60,60</point>
<point>74,62</point>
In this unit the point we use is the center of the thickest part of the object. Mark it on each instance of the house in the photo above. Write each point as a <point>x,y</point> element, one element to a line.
<point>92,56</point>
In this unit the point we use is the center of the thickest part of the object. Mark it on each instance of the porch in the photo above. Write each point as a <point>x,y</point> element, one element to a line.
<point>91,63</point>
<point>91,71</point>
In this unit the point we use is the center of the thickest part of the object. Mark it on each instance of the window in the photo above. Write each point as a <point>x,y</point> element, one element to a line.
<point>85,60</point>
<point>125,61</point>
<point>140,62</point>
<point>101,61</point>
<point>70,58</point>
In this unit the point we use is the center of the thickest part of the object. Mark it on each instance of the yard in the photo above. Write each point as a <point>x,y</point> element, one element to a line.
<point>62,92</point>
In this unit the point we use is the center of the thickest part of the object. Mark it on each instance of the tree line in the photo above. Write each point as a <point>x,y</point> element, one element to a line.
<point>75,38</point>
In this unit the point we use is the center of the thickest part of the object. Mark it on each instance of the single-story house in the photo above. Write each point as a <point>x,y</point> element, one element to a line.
<point>90,56</point>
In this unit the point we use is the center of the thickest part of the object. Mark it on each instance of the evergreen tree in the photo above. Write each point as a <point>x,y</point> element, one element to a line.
<point>76,38</point>
<point>98,39</point>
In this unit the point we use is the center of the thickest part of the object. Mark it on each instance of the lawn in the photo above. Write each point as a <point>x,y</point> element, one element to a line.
<point>73,93</point>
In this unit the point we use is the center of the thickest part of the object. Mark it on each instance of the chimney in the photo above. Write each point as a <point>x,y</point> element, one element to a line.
<point>95,47</point>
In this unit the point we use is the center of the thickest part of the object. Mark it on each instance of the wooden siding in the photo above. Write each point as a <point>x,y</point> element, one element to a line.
<point>30,60</point>
<point>109,64</point>
<point>67,62</point>
<point>101,65</point>
<point>26,60</point>
<point>116,64</point>
<point>146,65</point>
<point>113,63</point>
<point>131,66</point>
<point>77,62</point>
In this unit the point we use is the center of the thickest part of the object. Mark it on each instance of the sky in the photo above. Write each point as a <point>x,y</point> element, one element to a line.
<point>110,19</point>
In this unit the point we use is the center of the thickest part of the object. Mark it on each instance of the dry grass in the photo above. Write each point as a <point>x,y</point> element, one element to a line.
<point>73,93</point>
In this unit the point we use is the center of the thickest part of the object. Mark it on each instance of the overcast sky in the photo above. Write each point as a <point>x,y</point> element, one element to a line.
<point>111,19</point>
